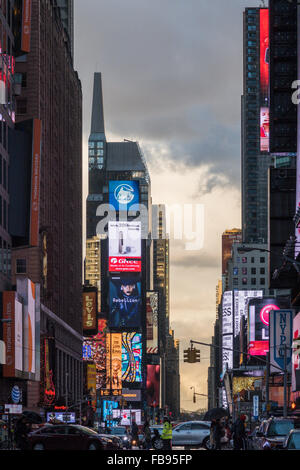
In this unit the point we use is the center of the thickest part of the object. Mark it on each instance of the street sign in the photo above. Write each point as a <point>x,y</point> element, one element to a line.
<point>13,409</point>
<point>255,406</point>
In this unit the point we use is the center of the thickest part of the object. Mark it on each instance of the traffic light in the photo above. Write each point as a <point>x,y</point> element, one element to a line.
<point>194,398</point>
<point>191,355</point>
<point>293,406</point>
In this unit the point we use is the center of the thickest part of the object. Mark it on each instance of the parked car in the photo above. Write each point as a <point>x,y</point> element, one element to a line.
<point>292,441</point>
<point>274,431</point>
<point>69,437</point>
<point>159,428</point>
<point>121,433</point>
<point>192,433</point>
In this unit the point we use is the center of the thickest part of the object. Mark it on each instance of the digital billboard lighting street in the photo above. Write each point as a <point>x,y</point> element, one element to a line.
<point>264,361</point>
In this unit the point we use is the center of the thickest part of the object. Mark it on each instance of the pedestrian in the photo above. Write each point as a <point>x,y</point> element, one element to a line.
<point>135,433</point>
<point>167,434</point>
<point>239,433</point>
<point>21,434</point>
<point>212,434</point>
<point>147,435</point>
<point>218,432</point>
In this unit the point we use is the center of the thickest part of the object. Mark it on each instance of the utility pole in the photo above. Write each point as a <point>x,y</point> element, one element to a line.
<point>267,383</point>
<point>285,383</point>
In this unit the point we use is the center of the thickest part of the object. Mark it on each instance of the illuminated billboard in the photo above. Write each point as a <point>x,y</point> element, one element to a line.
<point>94,350</point>
<point>241,300</point>
<point>258,325</point>
<point>264,81</point>
<point>35,183</point>
<point>131,357</point>
<point>114,362</point>
<point>89,305</point>
<point>12,311</point>
<point>26,25</point>
<point>123,194</point>
<point>152,322</point>
<point>295,355</point>
<point>125,302</point>
<point>128,417</point>
<point>125,248</point>
<point>153,385</point>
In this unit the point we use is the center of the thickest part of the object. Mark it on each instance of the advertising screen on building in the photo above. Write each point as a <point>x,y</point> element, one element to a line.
<point>12,333</point>
<point>125,302</point>
<point>152,322</point>
<point>125,248</point>
<point>227,353</point>
<point>131,357</point>
<point>123,194</point>
<point>114,361</point>
<point>35,183</point>
<point>108,407</point>
<point>153,385</point>
<point>296,356</point>
<point>89,305</point>
<point>264,80</point>
<point>91,378</point>
<point>128,416</point>
<point>258,325</point>
<point>94,349</point>
<point>241,299</point>
<point>227,313</point>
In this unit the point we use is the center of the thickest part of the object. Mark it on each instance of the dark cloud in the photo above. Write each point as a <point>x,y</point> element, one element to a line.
<point>172,73</point>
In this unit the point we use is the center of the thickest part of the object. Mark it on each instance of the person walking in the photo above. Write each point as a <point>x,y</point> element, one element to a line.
<point>239,433</point>
<point>135,433</point>
<point>218,431</point>
<point>21,433</point>
<point>167,434</point>
<point>147,435</point>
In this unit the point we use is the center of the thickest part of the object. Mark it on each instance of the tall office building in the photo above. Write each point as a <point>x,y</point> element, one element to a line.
<point>228,238</point>
<point>255,126</point>
<point>7,113</point>
<point>66,10</point>
<point>50,93</point>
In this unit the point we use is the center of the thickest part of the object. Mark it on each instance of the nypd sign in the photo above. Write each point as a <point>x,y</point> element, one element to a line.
<point>281,338</point>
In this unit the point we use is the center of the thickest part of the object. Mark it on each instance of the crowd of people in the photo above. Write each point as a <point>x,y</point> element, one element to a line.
<point>227,434</point>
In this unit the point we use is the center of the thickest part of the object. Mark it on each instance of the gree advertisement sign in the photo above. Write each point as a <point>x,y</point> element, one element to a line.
<point>125,248</point>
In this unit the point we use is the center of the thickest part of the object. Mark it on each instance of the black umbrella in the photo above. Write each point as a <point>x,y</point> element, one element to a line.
<point>215,413</point>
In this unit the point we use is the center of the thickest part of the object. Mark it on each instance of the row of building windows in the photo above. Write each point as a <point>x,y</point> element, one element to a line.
<point>245,271</point>
<point>5,258</point>
<point>253,281</point>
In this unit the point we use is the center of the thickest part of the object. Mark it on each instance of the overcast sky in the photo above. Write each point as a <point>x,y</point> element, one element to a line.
<point>172,80</point>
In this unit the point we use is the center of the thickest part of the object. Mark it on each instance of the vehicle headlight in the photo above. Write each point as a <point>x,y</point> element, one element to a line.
<point>125,438</point>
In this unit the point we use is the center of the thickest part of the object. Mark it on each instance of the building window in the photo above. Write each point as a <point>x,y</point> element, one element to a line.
<point>235,281</point>
<point>262,259</point>
<point>262,271</point>
<point>253,281</point>
<point>244,271</point>
<point>253,270</point>
<point>235,271</point>
<point>244,281</point>
<point>252,260</point>
<point>21,266</point>
<point>21,106</point>
<point>244,260</point>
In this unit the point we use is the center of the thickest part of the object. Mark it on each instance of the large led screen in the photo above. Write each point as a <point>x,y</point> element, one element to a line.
<point>153,385</point>
<point>114,361</point>
<point>94,349</point>
<point>123,194</point>
<point>258,325</point>
<point>125,248</point>
<point>264,80</point>
<point>131,357</point>
<point>152,322</point>
<point>127,417</point>
<point>125,302</point>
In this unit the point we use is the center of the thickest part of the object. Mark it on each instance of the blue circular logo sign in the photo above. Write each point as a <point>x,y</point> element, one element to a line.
<point>124,194</point>
<point>16,394</point>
